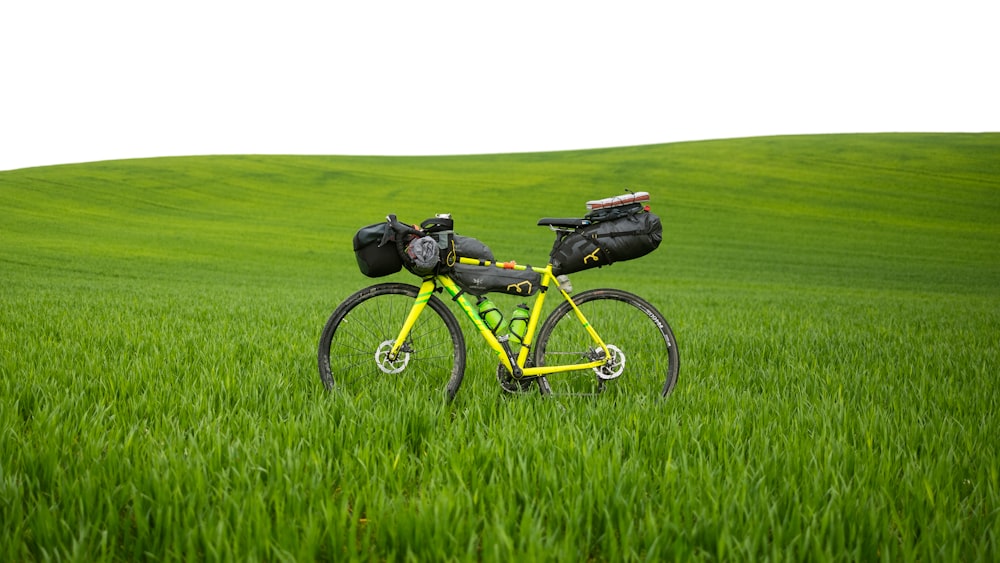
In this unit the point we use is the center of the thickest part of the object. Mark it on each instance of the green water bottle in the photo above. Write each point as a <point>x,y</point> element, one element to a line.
<point>519,323</point>
<point>490,314</point>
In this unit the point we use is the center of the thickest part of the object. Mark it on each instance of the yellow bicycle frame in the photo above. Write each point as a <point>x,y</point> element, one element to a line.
<point>430,285</point>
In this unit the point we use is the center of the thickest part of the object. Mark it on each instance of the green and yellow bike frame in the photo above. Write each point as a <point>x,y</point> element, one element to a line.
<point>515,365</point>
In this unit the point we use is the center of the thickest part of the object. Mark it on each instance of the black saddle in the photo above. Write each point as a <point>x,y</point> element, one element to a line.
<point>567,223</point>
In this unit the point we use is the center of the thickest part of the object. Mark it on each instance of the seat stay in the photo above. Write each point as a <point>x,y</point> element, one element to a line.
<point>591,331</point>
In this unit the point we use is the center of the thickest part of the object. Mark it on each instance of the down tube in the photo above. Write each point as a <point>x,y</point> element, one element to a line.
<point>456,293</point>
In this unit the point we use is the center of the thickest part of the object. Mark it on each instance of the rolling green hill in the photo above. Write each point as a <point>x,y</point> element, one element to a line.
<point>836,300</point>
<point>871,211</point>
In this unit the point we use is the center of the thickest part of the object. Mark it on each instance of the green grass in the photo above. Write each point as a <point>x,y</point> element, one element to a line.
<point>836,300</point>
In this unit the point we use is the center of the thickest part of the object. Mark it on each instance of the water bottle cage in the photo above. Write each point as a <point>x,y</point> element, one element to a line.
<point>488,309</point>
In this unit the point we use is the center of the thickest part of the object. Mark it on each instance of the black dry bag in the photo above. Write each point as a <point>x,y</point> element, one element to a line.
<point>607,242</point>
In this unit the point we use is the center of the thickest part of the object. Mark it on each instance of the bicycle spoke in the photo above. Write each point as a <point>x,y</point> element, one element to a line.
<point>355,341</point>
<point>644,356</point>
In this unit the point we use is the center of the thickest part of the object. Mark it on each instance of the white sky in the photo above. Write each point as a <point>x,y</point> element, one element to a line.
<point>98,80</point>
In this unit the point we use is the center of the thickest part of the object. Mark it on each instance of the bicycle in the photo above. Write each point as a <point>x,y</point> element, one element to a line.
<point>403,334</point>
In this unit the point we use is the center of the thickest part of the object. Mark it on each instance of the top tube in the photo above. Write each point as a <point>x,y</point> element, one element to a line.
<point>511,265</point>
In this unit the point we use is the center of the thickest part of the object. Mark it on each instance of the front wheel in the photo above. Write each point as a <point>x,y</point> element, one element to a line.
<point>357,340</point>
<point>643,352</point>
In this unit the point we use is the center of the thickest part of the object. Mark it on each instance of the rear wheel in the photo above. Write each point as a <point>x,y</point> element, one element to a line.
<point>355,344</point>
<point>644,357</point>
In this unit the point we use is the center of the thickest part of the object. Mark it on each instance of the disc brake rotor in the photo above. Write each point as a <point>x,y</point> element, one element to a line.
<point>615,365</point>
<point>391,366</point>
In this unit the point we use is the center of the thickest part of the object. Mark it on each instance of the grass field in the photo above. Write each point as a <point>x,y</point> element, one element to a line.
<point>836,300</point>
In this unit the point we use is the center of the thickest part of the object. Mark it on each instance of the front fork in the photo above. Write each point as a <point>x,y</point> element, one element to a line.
<point>423,296</point>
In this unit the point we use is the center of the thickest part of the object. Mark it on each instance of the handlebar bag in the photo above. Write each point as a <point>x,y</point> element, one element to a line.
<point>422,255</point>
<point>419,260</point>
<point>606,242</point>
<point>376,253</point>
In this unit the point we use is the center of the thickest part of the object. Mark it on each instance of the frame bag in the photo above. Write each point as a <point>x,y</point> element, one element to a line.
<point>480,280</point>
<point>606,242</point>
<point>376,252</point>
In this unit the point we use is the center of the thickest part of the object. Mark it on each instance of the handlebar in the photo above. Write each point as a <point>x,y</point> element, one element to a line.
<point>402,228</point>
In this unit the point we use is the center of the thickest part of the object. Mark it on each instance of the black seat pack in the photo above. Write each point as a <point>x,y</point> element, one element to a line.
<point>606,242</point>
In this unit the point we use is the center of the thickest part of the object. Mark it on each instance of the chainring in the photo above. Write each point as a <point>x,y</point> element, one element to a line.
<point>510,384</point>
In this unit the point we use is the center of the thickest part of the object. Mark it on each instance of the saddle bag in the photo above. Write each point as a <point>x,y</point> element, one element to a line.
<point>376,252</point>
<point>480,280</point>
<point>601,243</point>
